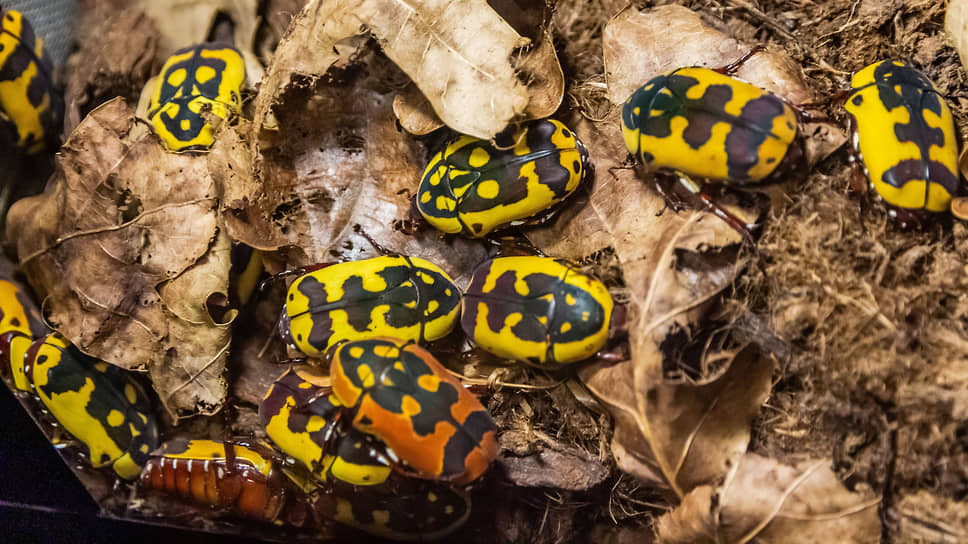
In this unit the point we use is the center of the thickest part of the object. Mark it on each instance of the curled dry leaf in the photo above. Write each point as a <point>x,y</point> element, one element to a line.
<point>639,45</point>
<point>765,501</point>
<point>956,26</point>
<point>346,166</point>
<point>117,56</point>
<point>674,265</point>
<point>415,113</point>
<point>124,246</point>
<point>545,80</point>
<point>458,52</point>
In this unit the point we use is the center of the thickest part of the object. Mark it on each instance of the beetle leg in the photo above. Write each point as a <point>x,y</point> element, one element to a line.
<point>736,223</point>
<point>297,271</point>
<point>732,67</point>
<point>664,186</point>
<point>357,228</point>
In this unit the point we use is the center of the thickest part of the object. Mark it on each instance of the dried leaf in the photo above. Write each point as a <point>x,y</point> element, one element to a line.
<point>639,45</point>
<point>546,81</point>
<point>956,27</point>
<point>125,246</point>
<point>118,55</point>
<point>764,501</point>
<point>415,113</point>
<point>349,166</point>
<point>456,51</point>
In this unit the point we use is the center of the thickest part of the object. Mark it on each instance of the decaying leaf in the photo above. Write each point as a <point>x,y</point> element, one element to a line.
<point>956,27</point>
<point>415,113</point>
<point>765,501</point>
<point>186,22</point>
<point>926,517</point>
<point>457,52</point>
<point>546,82</point>
<point>639,45</point>
<point>350,168</point>
<point>125,247</point>
<point>106,72</point>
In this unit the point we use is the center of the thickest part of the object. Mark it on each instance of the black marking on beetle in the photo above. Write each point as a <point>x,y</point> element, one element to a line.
<point>306,402</point>
<point>403,288</point>
<point>504,167</point>
<point>40,86</point>
<point>547,298</point>
<point>916,95</point>
<point>747,131</point>
<point>468,438</point>
<point>190,88</point>
<point>71,372</point>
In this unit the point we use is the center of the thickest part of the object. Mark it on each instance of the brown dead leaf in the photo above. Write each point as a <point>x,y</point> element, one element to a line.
<point>117,56</point>
<point>639,45</point>
<point>415,113</point>
<point>956,27</point>
<point>347,165</point>
<point>764,501</point>
<point>674,265</point>
<point>458,52</point>
<point>545,80</point>
<point>124,245</point>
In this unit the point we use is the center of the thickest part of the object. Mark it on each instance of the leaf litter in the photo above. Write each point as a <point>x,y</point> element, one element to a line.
<point>868,320</point>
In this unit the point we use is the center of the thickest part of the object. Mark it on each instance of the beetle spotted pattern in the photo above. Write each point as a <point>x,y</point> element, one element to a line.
<point>536,309</point>
<point>710,125</point>
<point>398,392</point>
<point>201,76</point>
<point>474,186</point>
<point>27,97</point>
<point>405,297</point>
<point>904,135</point>
<point>97,403</point>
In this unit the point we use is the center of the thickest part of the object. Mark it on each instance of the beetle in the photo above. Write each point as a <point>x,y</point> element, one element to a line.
<point>703,123</point>
<point>20,323</point>
<point>358,486</point>
<point>400,393</point>
<point>903,138</point>
<point>474,186</point>
<point>97,403</point>
<point>27,97</point>
<point>302,418</point>
<point>401,508</point>
<point>239,477</point>
<point>406,297</point>
<point>203,76</point>
<point>536,309</point>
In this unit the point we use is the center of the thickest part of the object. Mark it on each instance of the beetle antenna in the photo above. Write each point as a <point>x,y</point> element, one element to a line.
<point>357,228</point>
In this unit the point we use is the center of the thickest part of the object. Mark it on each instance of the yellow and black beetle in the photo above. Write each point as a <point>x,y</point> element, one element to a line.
<point>358,486</point>
<point>399,392</point>
<point>28,100</point>
<point>538,310</point>
<point>904,138</point>
<point>204,76</point>
<point>704,123</point>
<point>474,186</point>
<point>97,403</point>
<point>400,296</point>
